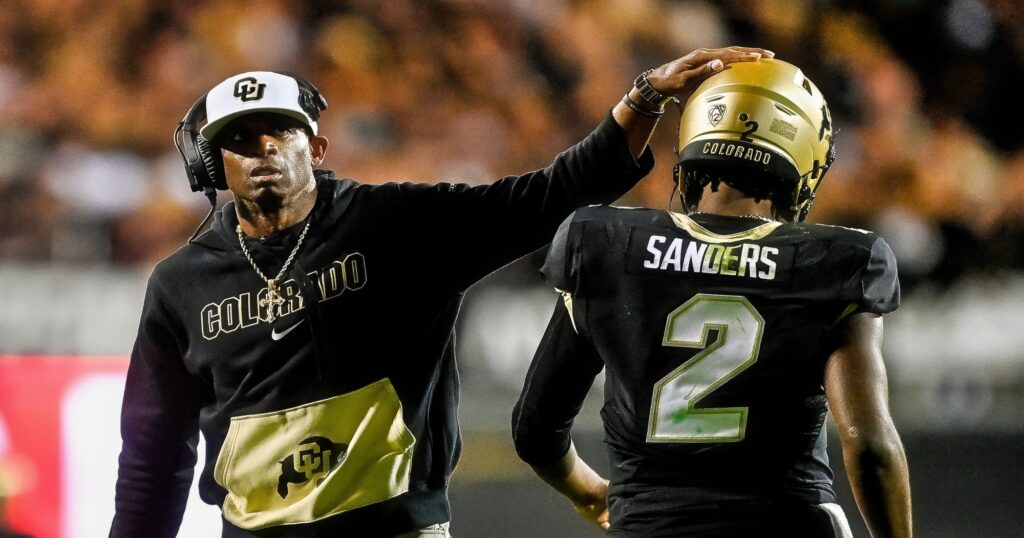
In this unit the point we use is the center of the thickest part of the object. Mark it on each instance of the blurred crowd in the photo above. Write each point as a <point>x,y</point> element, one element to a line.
<point>930,152</point>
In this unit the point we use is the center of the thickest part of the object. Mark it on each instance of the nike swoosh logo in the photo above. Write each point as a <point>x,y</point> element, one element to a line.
<point>274,335</point>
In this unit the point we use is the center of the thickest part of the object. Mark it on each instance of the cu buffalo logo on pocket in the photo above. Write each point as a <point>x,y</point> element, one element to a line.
<point>315,458</point>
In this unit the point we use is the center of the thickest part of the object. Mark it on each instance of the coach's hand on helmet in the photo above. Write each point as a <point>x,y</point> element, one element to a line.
<point>680,77</point>
<point>644,103</point>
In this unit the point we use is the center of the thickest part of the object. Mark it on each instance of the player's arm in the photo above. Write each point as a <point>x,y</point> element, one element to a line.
<point>857,390</point>
<point>159,430</point>
<point>562,371</point>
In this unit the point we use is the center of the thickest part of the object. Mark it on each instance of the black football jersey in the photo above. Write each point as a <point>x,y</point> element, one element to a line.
<point>714,332</point>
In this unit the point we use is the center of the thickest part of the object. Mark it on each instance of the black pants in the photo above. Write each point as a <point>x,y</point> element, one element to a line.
<point>729,520</point>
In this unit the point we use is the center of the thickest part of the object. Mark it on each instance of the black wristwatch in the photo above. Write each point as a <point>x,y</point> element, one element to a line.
<point>648,93</point>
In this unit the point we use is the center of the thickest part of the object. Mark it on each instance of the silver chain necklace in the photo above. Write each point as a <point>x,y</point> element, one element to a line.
<point>274,300</point>
<point>758,217</point>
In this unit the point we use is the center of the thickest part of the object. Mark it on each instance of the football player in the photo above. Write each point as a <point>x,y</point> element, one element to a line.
<point>726,331</point>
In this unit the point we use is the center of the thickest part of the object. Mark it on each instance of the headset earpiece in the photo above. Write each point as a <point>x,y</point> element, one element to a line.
<point>203,163</point>
<point>310,99</point>
<point>213,163</point>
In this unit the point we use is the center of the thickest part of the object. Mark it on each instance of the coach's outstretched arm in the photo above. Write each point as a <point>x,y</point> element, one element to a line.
<point>857,390</point>
<point>678,78</point>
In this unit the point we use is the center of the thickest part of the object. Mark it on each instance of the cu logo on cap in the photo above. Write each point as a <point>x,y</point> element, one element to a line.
<point>248,89</point>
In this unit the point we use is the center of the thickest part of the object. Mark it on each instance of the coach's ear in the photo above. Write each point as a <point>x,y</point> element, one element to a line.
<point>318,149</point>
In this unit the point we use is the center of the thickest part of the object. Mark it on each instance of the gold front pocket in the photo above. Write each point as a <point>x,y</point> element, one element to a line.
<point>316,460</point>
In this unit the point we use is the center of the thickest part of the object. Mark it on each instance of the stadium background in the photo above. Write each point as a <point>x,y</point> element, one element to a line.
<point>92,194</point>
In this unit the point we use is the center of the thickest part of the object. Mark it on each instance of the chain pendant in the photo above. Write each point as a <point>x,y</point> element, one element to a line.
<point>272,301</point>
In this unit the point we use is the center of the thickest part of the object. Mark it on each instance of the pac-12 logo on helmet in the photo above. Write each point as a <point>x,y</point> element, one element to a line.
<point>715,113</point>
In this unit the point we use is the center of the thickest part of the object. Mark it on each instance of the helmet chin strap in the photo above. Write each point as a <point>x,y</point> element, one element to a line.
<point>679,176</point>
<point>677,170</point>
<point>676,188</point>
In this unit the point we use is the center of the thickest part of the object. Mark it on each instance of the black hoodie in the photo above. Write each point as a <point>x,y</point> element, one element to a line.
<point>340,418</point>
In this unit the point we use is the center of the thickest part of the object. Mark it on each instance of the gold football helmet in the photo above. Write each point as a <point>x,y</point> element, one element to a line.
<point>764,121</point>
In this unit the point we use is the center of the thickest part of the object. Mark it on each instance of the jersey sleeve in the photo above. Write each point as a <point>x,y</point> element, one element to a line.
<point>562,371</point>
<point>159,429</point>
<point>879,282</point>
<point>561,263</point>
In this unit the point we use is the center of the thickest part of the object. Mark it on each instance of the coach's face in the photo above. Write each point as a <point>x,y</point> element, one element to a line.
<point>269,158</point>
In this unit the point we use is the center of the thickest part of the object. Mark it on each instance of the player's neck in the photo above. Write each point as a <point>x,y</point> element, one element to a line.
<point>732,202</point>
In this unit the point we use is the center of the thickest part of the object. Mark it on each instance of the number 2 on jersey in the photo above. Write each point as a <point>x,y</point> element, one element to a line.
<point>674,414</point>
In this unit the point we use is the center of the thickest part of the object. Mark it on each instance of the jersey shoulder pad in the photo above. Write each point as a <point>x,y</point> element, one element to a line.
<point>617,214</point>
<point>855,237</point>
<point>873,284</point>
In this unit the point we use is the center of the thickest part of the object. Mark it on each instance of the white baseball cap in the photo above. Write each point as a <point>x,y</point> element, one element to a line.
<point>252,92</point>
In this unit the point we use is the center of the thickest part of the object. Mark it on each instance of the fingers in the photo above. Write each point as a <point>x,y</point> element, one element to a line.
<point>759,50</point>
<point>691,78</point>
<point>690,64</point>
<point>726,55</point>
<point>682,76</point>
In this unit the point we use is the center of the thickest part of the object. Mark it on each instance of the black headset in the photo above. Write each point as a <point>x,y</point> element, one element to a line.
<point>203,163</point>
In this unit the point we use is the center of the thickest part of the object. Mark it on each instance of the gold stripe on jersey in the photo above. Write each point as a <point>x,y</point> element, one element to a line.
<point>315,460</point>
<point>851,308</point>
<point>567,301</point>
<point>697,231</point>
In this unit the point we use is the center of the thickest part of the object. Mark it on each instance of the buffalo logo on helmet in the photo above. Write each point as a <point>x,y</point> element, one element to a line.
<point>315,458</point>
<point>715,113</point>
<point>249,89</point>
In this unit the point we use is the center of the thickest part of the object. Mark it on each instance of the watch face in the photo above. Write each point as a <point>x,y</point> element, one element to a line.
<point>648,92</point>
<point>651,95</point>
